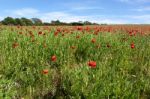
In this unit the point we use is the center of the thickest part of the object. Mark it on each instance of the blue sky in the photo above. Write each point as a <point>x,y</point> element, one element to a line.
<point>100,11</point>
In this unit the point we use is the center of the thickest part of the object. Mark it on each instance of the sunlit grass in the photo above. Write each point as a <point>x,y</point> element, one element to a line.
<point>121,71</point>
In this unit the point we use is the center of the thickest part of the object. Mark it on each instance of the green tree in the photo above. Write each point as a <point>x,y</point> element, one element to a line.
<point>37,21</point>
<point>0,22</point>
<point>19,22</point>
<point>76,24</point>
<point>57,22</point>
<point>26,21</point>
<point>9,21</point>
<point>46,24</point>
<point>87,23</point>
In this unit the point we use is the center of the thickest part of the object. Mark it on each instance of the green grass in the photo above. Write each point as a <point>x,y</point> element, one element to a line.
<point>121,72</point>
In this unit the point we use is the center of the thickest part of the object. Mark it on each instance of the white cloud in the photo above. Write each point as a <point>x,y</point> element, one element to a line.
<point>23,12</point>
<point>143,17</point>
<point>66,17</point>
<point>112,21</point>
<point>62,16</point>
<point>69,17</point>
<point>86,8</point>
<point>47,17</point>
<point>83,5</point>
<point>139,19</point>
<point>142,9</point>
<point>1,18</point>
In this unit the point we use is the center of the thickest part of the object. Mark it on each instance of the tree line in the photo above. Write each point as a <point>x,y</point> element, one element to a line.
<point>38,22</point>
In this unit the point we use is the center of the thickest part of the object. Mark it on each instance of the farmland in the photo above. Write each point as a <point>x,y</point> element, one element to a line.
<point>65,62</point>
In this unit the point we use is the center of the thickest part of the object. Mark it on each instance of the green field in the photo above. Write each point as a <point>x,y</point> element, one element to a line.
<point>53,63</point>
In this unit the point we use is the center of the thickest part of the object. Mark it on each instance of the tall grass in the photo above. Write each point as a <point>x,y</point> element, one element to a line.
<point>121,72</point>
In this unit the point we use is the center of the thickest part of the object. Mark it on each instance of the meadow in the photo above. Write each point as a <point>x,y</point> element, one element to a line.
<point>75,62</point>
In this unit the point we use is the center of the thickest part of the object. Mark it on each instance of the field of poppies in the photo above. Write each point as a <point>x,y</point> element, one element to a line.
<point>74,62</point>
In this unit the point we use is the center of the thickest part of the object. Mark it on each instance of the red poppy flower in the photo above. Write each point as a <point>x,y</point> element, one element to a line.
<point>20,33</point>
<point>40,33</point>
<point>130,33</point>
<point>73,47</point>
<point>93,40</point>
<point>92,64</point>
<point>18,27</point>
<point>132,45</point>
<point>45,71</point>
<point>78,36</point>
<point>53,58</point>
<point>79,28</point>
<point>55,33</point>
<point>63,34</point>
<point>14,45</point>
<point>95,33</point>
<point>44,33</point>
<point>108,46</point>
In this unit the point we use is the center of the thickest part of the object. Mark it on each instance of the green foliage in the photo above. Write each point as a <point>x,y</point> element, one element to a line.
<point>36,21</point>
<point>121,72</point>
<point>17,21</point>
<point>9,21</point>
<point>20,22</point>
<point>26,21</point>
<point>76,24</point>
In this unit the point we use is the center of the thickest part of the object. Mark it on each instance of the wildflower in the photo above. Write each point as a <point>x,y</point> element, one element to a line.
<point>95,33</point>
<point>45,71</point>
<point>63,34</point>
<point>108,46</point>
<point>79,28</point>
<point>93,40</point>
<point>53,58</point>
<point>92,64</point>
<point>55,33</point>
<point>73,47</point>
<point>44,34</point>
<point>130,33</point>
<point>20,33</point>
<point>132,45</point>
<point>40,33</point>
<point>14,45</point>
<point>78,36</point>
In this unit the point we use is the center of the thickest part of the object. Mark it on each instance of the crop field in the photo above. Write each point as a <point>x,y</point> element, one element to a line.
<point>75,62</point>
